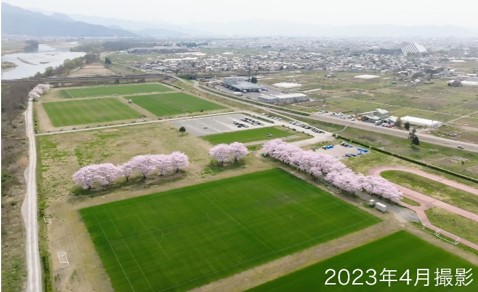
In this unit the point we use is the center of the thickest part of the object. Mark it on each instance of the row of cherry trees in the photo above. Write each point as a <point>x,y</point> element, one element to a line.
<point>225,153</point>
<point>38,91</point>
<point>146,165</point>
<point>330,169</point>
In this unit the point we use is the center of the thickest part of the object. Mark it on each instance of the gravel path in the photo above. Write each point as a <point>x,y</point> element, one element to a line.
<point>29,209</point>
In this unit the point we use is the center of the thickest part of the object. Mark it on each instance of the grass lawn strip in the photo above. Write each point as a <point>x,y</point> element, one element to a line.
<point>172,103</point>
<point>454,223</point>
<point>187,237</point>
<point>400,251</point>
<point>437,190</point>
<point>246,136</point>
<point>78,112</point>
<point>112,90</point>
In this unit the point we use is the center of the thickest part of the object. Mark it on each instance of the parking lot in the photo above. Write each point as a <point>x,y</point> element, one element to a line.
<point>220,123</point>
<point>343,150</point>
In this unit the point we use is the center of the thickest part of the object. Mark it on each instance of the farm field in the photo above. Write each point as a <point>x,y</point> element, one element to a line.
<point>113,89</point>
<point>400,251</point>
<point>173,103</point>
<point>246,136</point>
<point>78,112</point>
<point>186,237</point>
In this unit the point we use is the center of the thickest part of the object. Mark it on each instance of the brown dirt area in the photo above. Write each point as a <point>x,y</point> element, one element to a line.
<point>90,70</point>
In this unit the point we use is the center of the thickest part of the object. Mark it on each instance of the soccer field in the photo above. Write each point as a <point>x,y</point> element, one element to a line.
<point>173,103</point>
<point>113,89</point>
<point>187,237</point>
<point>246,136</point>
<point>400,251</point>
<point>78,112</point>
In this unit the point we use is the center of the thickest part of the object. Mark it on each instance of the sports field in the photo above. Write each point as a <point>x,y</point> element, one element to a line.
<point>400,251</point>
<point>78,112</point>
<point>173,103</point>
<point>187,237</point>
<point>246,136</point>
<point>113,89</point>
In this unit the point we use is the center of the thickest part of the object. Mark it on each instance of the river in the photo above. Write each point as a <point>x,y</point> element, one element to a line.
<point>28,64</point>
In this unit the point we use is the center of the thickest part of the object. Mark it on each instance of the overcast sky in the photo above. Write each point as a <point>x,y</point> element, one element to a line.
<point>335,12</point>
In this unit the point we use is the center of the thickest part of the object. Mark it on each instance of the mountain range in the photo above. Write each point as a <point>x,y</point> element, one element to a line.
<point>19,21</point>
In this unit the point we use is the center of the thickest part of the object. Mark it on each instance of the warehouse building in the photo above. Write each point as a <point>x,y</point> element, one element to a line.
<point>413,48</point>
<point>283,98</point>
<point>241,84</point>
<point>421,122</point>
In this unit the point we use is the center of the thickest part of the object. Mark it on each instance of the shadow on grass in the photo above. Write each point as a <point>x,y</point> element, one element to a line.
<point>215,167</point>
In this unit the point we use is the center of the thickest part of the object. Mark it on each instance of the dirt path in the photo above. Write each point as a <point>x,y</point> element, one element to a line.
<point>299,260</point>
<point>437,178</point>
<point>29,209</point>
<point>427,202</point>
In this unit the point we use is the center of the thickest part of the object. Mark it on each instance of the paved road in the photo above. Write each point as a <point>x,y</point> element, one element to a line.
<point>427,202</point>
<point>394,132</point>
<point>357,124</point>
<point>29,209</point>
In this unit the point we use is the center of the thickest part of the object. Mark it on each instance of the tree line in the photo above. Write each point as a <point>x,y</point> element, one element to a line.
<point>68,66</point>
<point>330,169</point>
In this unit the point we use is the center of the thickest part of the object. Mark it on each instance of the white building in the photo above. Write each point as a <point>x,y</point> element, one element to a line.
<point>413,48</point>
<point>283,98</point>
<point>421,122</point>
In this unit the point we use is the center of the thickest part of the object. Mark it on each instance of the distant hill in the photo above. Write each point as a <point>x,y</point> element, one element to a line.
<point>156,30</point>
<point>298,29</point>
<point>19,21</point>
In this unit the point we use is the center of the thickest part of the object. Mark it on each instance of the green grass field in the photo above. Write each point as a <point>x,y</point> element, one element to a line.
<point>247,136</point>
<point>173,103</point>
<point>187,237</point>
<point>78,112</point>
<point>456,224</point>
<point>400,251</point>
<point>437,190</point>
<point>113,89</point>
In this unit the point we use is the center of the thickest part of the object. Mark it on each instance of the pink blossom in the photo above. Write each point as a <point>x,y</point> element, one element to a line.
<point>96,174</point>
<point>180,161</point>
<point>330,169</point>
<point>238,150</point>
<point>145,164</point>
<point>38,91</point>
<point>227,153</point>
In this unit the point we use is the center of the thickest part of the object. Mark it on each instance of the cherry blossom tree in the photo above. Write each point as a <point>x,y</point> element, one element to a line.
<point>38,91</point>
<point>238,150</point>
<point>127,169</point>
<point>96,174</point>
<point>145,164</point>
<point>221,153</point>
<point>381,187</point>
<point>330,169</point>
<point>179,160</point>
<point>225,153</point>
<point>163,164</point>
